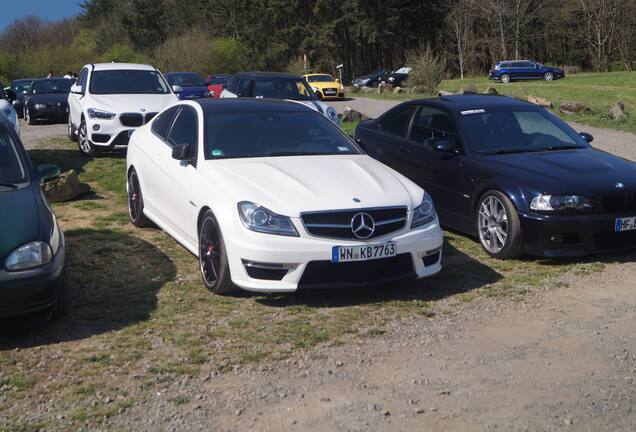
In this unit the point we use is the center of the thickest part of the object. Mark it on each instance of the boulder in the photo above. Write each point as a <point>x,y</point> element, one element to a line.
<point>354,89</point>
<point>445,93</point>
<point>491,91</point>
<point>540,101</point>
<point>367,89</point>
<point>382,87</point>
<point>572,107</point>
<point>65,188</point>
<point>468,90</point>
<point>617,111</point>
<point>398,90</point>
<point>351,115</point>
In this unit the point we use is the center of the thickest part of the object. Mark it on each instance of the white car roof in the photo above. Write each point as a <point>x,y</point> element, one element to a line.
<point>120,66</point>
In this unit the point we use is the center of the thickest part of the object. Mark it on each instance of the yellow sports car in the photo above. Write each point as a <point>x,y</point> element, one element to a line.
<point>325,86</point>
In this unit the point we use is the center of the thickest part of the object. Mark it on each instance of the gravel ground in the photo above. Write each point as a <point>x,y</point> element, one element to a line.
<point>563,358</point>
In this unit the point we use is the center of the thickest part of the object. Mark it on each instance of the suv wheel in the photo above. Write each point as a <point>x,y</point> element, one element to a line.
<point>498,226</point>
<point>505,78</point>
<point>85,146</point>
<point>213,264</point>
<point>549,76</point>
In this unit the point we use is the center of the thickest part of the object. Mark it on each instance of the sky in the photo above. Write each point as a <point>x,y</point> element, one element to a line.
<point>46,9</point>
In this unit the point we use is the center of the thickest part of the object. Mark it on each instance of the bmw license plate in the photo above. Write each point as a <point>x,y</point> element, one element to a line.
<point>625,224</point>
<point>362,253</point>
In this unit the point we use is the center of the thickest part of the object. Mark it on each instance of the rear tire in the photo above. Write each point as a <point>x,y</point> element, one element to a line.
<point>549,76</point>
<point>498,226</point>
<point>505,78</point>
<point>136,202</point>
<point>213,263</point>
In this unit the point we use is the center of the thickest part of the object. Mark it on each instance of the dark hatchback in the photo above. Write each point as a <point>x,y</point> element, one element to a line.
<point>32,248</point>
<point>517,70</point>
<point>511,173</point>
<point>189,85</point>
<point>17,93</point>
<point>47,100</point>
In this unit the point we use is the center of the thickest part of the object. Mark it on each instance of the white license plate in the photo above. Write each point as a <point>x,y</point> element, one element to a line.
<point>330,92</point>
<point>363,253</point>
<point>625,224</point>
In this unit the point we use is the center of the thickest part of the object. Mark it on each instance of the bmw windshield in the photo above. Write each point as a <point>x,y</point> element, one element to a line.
<point>128,82</point>
<point>268,134</point>
<point>48,86</point>
<point>283,88</point>
<point>12,169</point>
<point>506,130</point>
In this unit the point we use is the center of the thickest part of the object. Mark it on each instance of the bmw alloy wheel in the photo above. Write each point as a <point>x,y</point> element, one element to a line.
<point>493,224</point>
<point>85,145</point>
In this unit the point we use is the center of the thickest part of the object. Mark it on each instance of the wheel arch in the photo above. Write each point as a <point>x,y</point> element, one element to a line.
<point>514,193</point>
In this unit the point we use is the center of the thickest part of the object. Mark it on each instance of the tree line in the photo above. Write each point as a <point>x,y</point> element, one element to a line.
<point>230,35</point>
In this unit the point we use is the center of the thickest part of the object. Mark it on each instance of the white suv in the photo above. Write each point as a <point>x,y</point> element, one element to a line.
<point>110,100</point>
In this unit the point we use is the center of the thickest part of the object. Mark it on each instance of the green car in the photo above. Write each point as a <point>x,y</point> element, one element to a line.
<point>32,255</point>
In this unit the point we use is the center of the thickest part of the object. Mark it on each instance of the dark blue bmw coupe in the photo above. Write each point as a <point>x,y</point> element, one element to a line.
<point>511,173</point>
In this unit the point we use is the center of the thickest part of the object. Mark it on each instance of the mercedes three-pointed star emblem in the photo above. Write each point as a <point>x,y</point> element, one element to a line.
<point>362,225</point>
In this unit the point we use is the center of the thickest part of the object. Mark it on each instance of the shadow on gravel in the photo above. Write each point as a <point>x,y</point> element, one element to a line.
<point>461,273</point>
<point>114,279</point>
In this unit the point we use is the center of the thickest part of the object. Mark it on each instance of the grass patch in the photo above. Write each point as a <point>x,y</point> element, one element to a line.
<point>597,90</point>
<point>18,382</point>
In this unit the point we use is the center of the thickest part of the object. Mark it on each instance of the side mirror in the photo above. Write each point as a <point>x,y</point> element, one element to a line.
<point>181,152</point>
<point>47,172</point>
<point>177,89</point>
<point>77,89</point>
<point>445,146</point>
<point>586,136</point>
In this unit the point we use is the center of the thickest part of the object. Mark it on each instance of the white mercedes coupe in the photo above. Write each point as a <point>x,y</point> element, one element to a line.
<point>271,196</point>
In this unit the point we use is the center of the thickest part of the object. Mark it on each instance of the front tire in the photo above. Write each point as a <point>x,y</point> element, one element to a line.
<point>85,146</point>
<point>505,78</point>
<point>498,226</point>
<point>215,270</point>
<point>136,202</point>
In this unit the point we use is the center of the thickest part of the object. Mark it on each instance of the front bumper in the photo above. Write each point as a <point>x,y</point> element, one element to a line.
<point>111,133</point>
<point>305,262</point>
<point>47,114</point>
<point>33,290</point>
<point>573,235</point>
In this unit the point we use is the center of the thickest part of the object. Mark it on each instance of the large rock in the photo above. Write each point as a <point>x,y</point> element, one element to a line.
<point>65,188</point>
<point>572,107</point>
<point>491,91</point>
<point>351,115</point>
<point>445,93</point>
<point>469,89</point>
<point>617,111</point>
<point>398,90</point>
<point>540,101</point>
<point>354,89</point>
<point>382,87</point>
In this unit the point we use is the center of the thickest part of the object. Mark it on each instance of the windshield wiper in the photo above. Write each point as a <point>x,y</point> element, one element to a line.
<point>562,147</point>
<point>509,150</point>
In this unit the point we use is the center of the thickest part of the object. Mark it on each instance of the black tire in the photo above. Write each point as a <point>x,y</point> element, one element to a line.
<point>213,264</point>
<point>136,202</point>
<point>62,295</point>
<point>491,228</point>
<point>83,143</point>
<point>505,78</point>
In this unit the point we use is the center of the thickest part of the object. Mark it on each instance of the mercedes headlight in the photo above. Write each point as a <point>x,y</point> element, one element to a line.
<point>39,106</point>
<point>260,219</point>
<point>95,113</point>
<point>424,213</point>
<point>30,255</point>
<point>560,202</point>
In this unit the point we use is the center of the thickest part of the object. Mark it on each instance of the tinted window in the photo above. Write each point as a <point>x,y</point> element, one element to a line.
<point>12,170</point>
<point>184,79</point>
<point>231,84</point>
<point>519,130</point>
<point>20,86</point>
<point>320,78</point>
<point>263,134</point>
<point>51,86</point>
<point>282,88</point>
<point>431,124</point>
<point>161,125</point>
<point>397,123</point>
<point>184,129</point>
<point>218,80</point>
<point>82,79</point>
<point>128,82</point>
<point>527,65</point>
<point>243,88</point>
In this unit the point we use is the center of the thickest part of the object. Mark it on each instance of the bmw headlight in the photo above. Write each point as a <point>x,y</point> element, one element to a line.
<point>560,202</point>
<point>260,219</point>
<point>424,213</point>
<point>30,255</point>
<point>95,113</point>
<point>39,106</point>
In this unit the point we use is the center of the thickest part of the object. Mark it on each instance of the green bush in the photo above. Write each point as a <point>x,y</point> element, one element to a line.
<point>427,69</point>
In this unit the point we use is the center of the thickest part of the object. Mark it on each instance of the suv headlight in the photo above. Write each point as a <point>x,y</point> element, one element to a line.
<point>39,106</point>
<point>560,202</point>
<point>260,219</point>
<point>424,213</point>
<point>95,113</point>
<point>30,255</point>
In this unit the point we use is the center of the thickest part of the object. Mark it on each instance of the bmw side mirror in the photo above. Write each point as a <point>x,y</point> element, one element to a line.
<point>77,89</point>
<point>181,152</point>
<point>177,89</point>
<point>586,136</point>
<point>445,146</point>
<point>47,172</point>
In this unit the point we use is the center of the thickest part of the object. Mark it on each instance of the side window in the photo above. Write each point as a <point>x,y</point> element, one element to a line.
<point>161,124</point>
<point>184,129</point>
<point>82,79</point>
<point>431,124</point>
<point>397,123</point>
<point>231,84</point>
<point>244,87</point>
